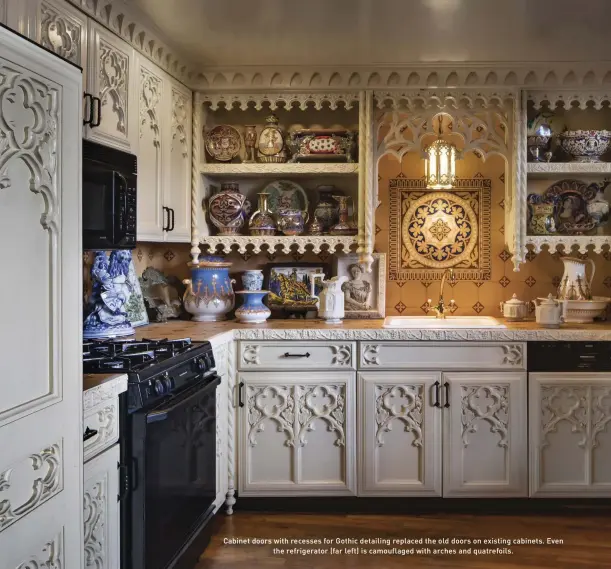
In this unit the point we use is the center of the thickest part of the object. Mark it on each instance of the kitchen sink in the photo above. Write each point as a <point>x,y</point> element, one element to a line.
<point>433,323</point>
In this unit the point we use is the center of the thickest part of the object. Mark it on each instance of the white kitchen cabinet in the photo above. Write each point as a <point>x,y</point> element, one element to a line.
<point>112,78</point>
<point>101,511</point>
<point>221,354</point>
<point>570,435</point>
<point>296,433</point>
<point>484,434</point>
<point>399,450</point>
<point>41,470</point>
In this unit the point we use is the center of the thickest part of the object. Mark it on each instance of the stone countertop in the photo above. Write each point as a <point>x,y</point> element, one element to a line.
<point>222,332</point>
<point>99,387</point>
<point>91,380</point>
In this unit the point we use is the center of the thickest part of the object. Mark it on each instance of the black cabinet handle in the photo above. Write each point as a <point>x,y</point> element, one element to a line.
<point>88,108</point>
<point>306,355</point>
<point>171,216</point>
<point>436,404</point>
<point>89,433</point>
<point>240,391</point>
<point>98,105</point>
<point>166,220</point>
<point>447,386</point>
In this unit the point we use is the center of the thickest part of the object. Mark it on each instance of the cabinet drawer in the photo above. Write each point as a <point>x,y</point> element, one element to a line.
<point>297,356</point>
<point>104,421</point>
<point>442,355</point>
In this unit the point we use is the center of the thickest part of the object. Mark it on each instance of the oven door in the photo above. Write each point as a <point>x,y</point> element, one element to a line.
<point>176,466</point>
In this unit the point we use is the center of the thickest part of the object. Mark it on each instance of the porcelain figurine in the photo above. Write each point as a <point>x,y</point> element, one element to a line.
<point>262,221</point>
<point>514,310</point>
<point>327,209</point>
<point>292,221</point>
<point>253,311</point>
<point>209,295</point>
<point>162,294</point>
<point>228,209</point>
<point>106,316</point>
<point>548,312</point>
<point>252,280</point>
<point>250,142</point>
<point>575,285</point>
<point>330,301</point>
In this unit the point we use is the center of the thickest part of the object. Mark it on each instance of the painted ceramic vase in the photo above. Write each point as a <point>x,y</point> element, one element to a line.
<point>106,314</point>
<point>292,221</point>
<point>343,226</point>
<point>253,311</point>
<point>330,301</point>
<point>252,280</point>
<point>209,295</point>
<point>228,209</point>
<point>542,219</point>
<point>262,221</point>
<point>327,209</point>
<point>598,208</point>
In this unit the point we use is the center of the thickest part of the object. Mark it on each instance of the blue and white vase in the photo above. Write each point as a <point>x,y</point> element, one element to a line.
<point>209,295</point>
<point>253,311</point>
<point>106,315</point>
<point>252,280</point>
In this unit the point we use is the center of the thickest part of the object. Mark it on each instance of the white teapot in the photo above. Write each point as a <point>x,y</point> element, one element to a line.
<point>515,309</point>
<point>549,312</point>
<point>330,303</point>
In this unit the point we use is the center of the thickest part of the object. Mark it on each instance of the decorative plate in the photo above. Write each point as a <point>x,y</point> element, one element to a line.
<point>571,197</point>
<point>223,143</point>
<point>286,194</point>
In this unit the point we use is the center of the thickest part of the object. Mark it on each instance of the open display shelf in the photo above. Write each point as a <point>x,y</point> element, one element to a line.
<point>279,243</point>
<point>275,170</point>
<point>554,169</point>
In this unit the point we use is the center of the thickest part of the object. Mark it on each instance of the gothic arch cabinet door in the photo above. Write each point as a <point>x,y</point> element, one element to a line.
<point>41,508</point>
<point>296,434</point>
<point>111,79</point>
<point>484,434</point>
<point>177,149</point>
<point>400,434</point>
<point>570,435</point>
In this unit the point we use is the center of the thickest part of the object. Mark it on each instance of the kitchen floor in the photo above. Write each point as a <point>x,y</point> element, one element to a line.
<point>586,541</point>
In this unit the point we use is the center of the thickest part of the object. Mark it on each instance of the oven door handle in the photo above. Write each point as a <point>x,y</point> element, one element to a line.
<point>162,414</point>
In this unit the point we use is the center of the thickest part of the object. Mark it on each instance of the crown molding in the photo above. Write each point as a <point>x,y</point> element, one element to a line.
<point>470,75</point>
<point>134,27</point>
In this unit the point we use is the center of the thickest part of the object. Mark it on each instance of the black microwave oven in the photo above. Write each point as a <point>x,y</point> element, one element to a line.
<point>109,198</point>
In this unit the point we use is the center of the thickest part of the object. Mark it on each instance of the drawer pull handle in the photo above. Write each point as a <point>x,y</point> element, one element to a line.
<point>447,386</point>
<point>89,433</point>
<point>436,404</point>
<point>306,355</point>
<point>240,391</point>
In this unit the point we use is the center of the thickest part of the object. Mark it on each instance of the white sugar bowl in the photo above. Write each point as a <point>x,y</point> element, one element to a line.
<point>515,309</point>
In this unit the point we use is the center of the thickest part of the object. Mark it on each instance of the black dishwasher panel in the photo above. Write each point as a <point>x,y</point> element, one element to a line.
<point>569,356</point>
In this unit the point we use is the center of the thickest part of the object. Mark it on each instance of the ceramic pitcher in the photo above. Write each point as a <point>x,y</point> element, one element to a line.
<point>575,285</point>
<point>330,302</point>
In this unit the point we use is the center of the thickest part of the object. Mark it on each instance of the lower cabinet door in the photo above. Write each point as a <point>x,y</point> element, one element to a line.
<point>101,511</point>
<point>297,433</point>
<point>399,434</point>
<point>485,434</point>
<point>570,435</point>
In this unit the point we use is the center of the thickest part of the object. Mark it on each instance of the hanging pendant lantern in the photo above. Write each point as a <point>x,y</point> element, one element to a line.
<point>440,164</point>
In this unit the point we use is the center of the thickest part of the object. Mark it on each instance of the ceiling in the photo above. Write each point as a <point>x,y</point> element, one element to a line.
<point>233,33</point>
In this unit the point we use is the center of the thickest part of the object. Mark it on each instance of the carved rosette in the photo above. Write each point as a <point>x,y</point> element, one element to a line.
<point>271,403</point>
<point>402,403</point>
<point>513,354</point>
<point>342,355</point>
<point>59,34</point>
<point>371,354</point>
<point>94,507</point>
<point>114,78</point>
<point>250,354</point>
<point>47,482</point>
<point>475,408</point>
<point>324,402</point>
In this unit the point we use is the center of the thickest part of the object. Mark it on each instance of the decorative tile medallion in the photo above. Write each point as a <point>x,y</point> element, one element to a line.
<point>431,231</point>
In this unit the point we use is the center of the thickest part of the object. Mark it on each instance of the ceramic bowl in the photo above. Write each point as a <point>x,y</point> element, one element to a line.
<point>584,311</point>
<point>585,145</point>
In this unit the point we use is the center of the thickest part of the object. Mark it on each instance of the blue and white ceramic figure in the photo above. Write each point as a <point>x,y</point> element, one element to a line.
<point>253,311</point>
<point>209,295</point>
<point>252,280</point>
<point>106,316</point>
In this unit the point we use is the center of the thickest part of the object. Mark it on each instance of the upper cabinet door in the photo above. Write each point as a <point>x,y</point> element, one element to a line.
<point>63,30</point>
<point>40,241</point>
<point>178,163</point>
<point>112,79</point>
<point>151,94</point>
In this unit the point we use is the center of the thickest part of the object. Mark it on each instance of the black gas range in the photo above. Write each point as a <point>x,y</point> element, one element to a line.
<point>168,446</point>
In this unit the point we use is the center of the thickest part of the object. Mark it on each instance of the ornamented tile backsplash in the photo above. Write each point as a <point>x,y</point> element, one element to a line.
<point>539,276</point>
<point>432,231</point>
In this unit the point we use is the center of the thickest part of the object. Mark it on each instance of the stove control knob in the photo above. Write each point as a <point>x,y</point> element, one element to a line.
<point>159,387</point>
<point>201,364</point>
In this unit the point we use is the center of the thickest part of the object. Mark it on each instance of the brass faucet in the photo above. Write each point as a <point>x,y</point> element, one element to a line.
<point>440,309</point>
